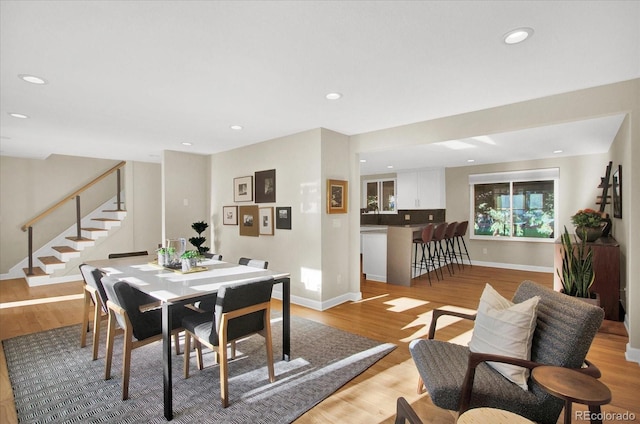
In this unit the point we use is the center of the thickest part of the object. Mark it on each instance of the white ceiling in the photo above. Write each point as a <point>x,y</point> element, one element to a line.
<point>129,79</point>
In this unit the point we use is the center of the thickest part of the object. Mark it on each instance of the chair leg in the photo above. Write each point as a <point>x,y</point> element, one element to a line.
<point>126,362</point>
<point>97,320</point>
<point>224,375</point>
<point>111,330</point>
<point>187,353</point>
<point>198,347</point>
<point>424,260</point>
<point>233,350</point>
<point>421,389</point>
<point>465,249</point>
<point>85,320</point>
<point>176,341</point>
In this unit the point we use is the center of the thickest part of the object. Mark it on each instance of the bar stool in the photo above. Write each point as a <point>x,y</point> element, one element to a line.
<point>427,236</point>
<point>438,236</point>
<point>448,241</point>
<point>461,231</point>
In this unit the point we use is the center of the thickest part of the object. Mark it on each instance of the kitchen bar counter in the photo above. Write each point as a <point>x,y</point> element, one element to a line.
<point>400,252</point>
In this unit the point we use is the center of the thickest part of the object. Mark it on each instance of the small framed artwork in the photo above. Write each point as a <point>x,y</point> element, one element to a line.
<point>249,221</point>
<point>243,189</point>
<point>230,215</point>
<point>283,218</point>
<point>266,221</point>
<point>265,186</point>
<point>617,192</point>
<point>337,196</point>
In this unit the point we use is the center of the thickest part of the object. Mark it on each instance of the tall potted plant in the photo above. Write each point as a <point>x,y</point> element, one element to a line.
<point>198,242</point>
<point>577,274</point>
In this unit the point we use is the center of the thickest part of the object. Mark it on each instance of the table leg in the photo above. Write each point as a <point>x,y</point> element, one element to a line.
<point>286,319</point>
<point>567,412</point>
<point>166,360</point>
<point>597,412</point>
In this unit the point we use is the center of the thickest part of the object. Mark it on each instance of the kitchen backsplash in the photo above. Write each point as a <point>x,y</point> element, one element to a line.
<point>416,216</point>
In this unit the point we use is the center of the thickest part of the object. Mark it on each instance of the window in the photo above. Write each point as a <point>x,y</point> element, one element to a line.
<point>380,189</point>
<point>514,205</point>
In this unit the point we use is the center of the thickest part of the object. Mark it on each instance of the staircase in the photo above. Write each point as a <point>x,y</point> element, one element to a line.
<point>55,256</point>
<point>59,252</point>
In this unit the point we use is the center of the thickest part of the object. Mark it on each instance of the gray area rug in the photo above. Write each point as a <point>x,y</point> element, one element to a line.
<point>55,381</point>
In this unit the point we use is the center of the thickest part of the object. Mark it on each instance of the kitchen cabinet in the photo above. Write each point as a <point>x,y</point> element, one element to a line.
<point>422,189</point>
<point>374,253</point>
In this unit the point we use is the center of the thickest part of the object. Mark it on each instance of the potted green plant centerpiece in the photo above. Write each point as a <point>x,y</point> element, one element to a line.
<point>199,227</point>
<point>589,224</point>
<point>577,274</point>
<point>190,259</point>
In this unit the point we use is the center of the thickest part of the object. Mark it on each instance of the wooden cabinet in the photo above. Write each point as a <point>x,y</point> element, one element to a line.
<point>424,189</point>
<point>606,265</point>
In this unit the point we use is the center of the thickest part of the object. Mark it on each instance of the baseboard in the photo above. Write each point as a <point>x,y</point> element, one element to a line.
<point>632,354</point>
<point>318,305</point>
<point>517,267</point>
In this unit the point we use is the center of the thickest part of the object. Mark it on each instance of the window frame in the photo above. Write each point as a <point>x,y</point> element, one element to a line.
<point>379,182</point>
<point>511,177</point>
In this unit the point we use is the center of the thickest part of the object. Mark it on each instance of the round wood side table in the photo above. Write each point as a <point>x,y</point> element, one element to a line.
<point>573,386</point>
<point>491,416</point>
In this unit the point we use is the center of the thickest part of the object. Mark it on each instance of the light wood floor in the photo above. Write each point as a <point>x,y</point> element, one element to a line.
<point>387,313</point>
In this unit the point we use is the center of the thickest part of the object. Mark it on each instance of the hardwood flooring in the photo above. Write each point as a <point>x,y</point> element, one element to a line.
<point>386,313</point>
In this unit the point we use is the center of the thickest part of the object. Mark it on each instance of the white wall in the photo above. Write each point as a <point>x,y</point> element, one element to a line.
<point>185,194</point>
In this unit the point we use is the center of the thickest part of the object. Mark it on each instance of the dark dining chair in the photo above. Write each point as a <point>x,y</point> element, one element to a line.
<point>214,256</point>
<point>93,293</point>
<point>141,326</point>
<point>240,310</point>
<point>255,263</point>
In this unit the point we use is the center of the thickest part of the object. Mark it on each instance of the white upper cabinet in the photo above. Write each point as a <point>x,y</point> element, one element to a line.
<point>423,189</point>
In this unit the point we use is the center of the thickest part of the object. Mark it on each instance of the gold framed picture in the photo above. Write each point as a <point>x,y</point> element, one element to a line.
<point>337,195</point>
<point>248,217</point>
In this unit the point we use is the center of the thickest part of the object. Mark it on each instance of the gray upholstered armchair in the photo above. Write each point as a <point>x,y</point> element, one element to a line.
<point>457,379</point>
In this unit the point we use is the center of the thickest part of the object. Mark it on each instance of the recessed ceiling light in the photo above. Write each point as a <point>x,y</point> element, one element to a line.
<point>236,127</point>
<point>363,160</point>
<point>471,160</point>
<point>558,151</point>
<point>518,35</point>
<point>32,79</point>
<point>333,96</point>
<point>390,166</point>
<point>186,143</point>
<point>18,115</point>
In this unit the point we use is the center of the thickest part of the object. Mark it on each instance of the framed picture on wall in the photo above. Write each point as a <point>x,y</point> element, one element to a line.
<point>266,221</point>
<point>283,218</point>
<point>265,186</point>
<point>230,215</point>
<point>337,196</point>
<point>617,192</point>
<point>243,189</point>
<point>249,221</point>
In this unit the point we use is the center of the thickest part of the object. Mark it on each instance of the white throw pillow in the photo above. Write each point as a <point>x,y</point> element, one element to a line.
<point>505,328</point>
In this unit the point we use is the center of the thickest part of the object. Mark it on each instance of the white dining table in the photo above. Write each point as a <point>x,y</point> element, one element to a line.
<point>175,289</point>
